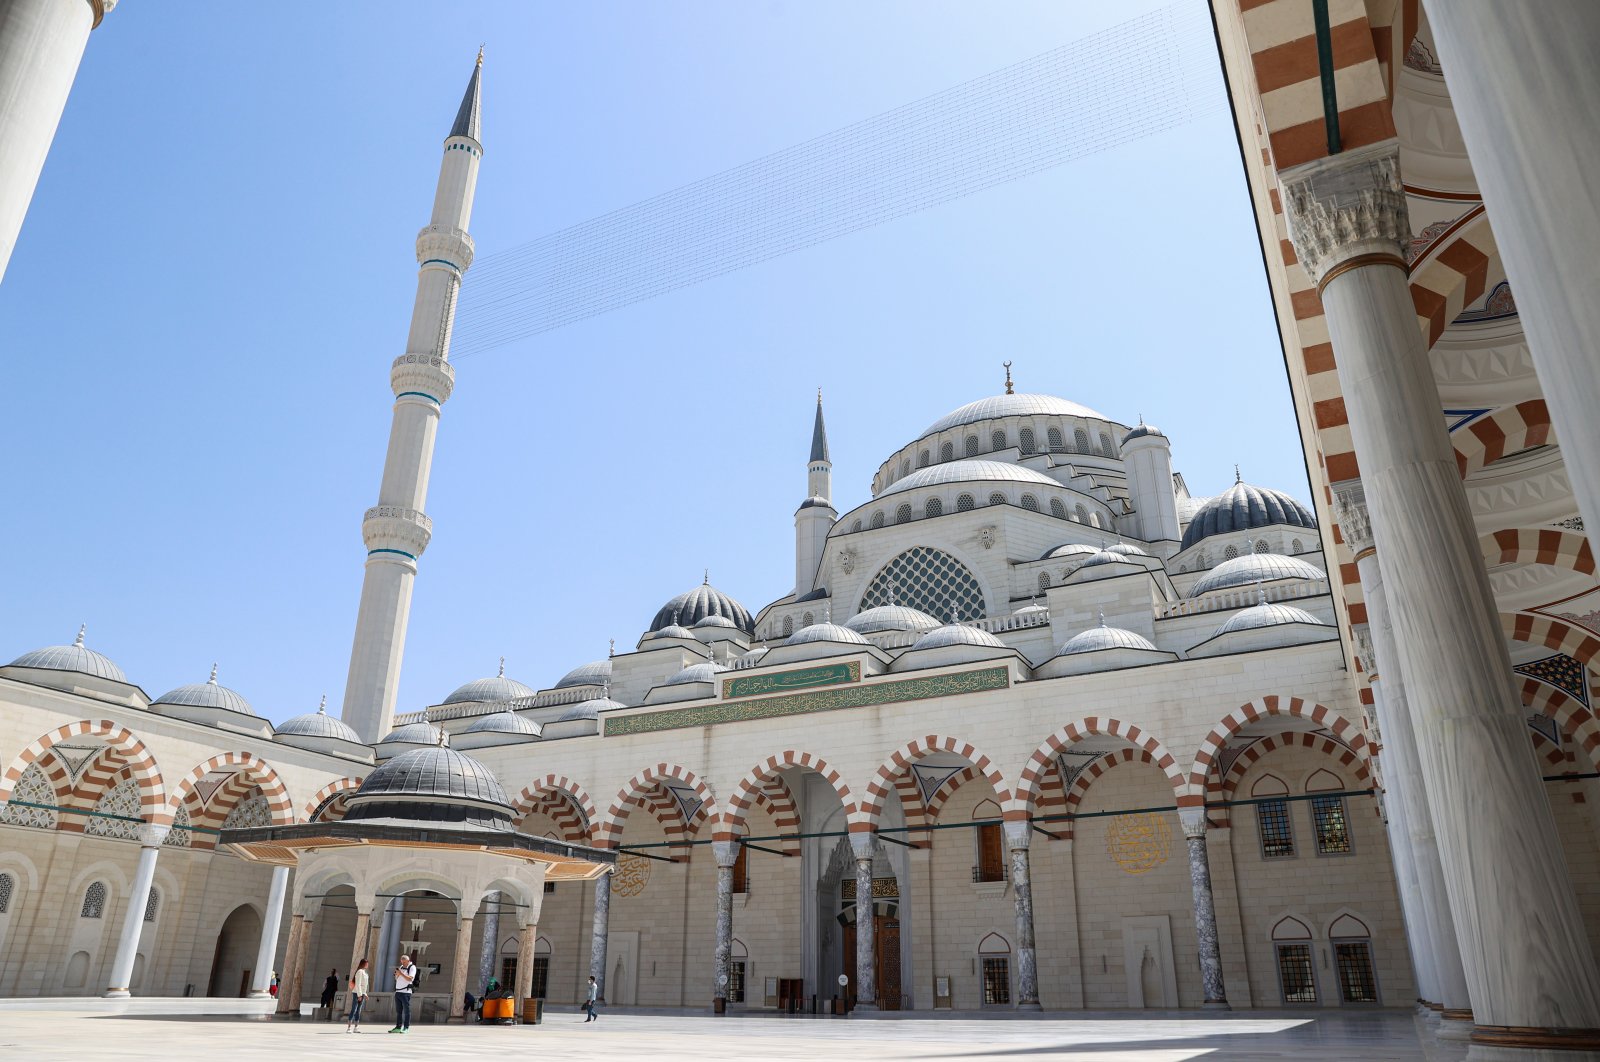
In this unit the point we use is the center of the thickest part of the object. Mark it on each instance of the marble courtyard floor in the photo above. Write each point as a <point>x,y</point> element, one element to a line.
<point>47,1034</point>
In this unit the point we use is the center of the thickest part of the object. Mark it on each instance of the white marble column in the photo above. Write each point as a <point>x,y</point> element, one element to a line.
<point>150,839</point>
<point>1524,82</point>
<point>1018,836</point>
<point>1525,952</point>
<point>267,952</point>
<point>458,971</point>
<point>490,948</point>
<point>1205,909</point>
<point>726,853</point>
<point>602,921</point>
<point>866,972</point>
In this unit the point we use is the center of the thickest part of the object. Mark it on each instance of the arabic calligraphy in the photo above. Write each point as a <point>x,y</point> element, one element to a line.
<point>805,678</point>
<point>1138,843</point>
<point>633,874</point>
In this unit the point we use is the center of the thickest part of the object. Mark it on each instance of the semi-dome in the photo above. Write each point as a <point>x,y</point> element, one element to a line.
<point>589,709</point>
<point>207,694</point>
<point>957,634</point>
<point>594,673</point>
<point>318,724</point>
<point>72,657</point>
<point>1127,549</point>
<point>1242,507</point>
<point>418,733</point>
<point>824,632</point>
<point>489,690</point>
<point>1265,615</point>
<point>971,470</point>
<point>692,606</point>
<point>673,630</point>
<point>890,618</point>
<point>503,722</point>
<point>1106,556</point>
<point>433,785</point>
<point>1102,637</point>
<point>1071,549</point>
<point>705,671</point>
<point>1254,568</point>
<point>1011,406</point>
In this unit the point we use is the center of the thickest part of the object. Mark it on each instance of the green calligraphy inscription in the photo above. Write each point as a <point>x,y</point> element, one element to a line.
<point>862,696</point>
<point>805,678</point>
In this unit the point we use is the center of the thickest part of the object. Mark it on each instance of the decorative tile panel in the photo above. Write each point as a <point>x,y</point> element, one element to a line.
<point>32,788</point>
<point>122,802</point>
<point>805,678</point>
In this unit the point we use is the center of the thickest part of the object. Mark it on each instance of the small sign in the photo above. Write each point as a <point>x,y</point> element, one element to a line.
<point>844,979</point>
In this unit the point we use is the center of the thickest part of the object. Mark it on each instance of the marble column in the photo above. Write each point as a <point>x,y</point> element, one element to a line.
<point>267,952</point>
<point>866,972</point>
<point>1018,835</point>
<point>458,972</point>
<point>527,952</point>
<point>297,971</point>
<point>490,948</point>
<point>375,934</point>
<point>358,943</point>
<point>1523,81</point>
<point>1529,968</point>
<point>726,853</point>
<point>150,839</point>
<point>291,955</point>
<point>1205,909</point>
<point>602,921</point>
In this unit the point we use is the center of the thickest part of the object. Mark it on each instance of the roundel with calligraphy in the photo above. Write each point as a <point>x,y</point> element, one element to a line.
<point>1138,843</point>
<point>633,874</point>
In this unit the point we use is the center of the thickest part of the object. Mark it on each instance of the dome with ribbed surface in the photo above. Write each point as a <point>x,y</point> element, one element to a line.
<point>715,621</point>
<point>701,672</point>
<point>1071,549</point>
<point>1011,406</point>
<point>589,709</point>
<point>318,724</point>
<point>432,785</point>
<point>420,733</point>
<point>969,471</point>
<point>594,673</point>
<point>754,656</point>
<point>1106,556</point>
<point>1264,615</point>
<point>1143,431</point>
<point>206,694</point>
<point>72,657</point>
<point>692,606</point>
<point>1095,639</point>
<point>890,618</point>
<point>1255,568</point>
<point>506,722</point>
<point>488,691</point>
<point>824,632</point>
<point>1242,507</point>
<point>672,630</point>
<point>1127,549</point>
<point>957,634</point>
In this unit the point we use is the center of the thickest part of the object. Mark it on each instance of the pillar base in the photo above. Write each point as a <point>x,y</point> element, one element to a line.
<point>865,1007</point>
<point>456,1019</point>
<point>1454,1029</point>
<point>118,993</point>
<point>1029,1006</point>
<point>260,993</point>
<point>1216,1004</point>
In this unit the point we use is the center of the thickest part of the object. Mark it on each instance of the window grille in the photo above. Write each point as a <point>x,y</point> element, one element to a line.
<point>934,507</point>
<point>809,619</point>
<point>964,503</point>
<point>179,835</point>
<point>8,886</point>
<point>1044,580</point>
<point>1105,445</point>
<point>924,459</point>
<point>902,515</point>
<point>1080,441</point>
<point>1058,509</point>
<point>1357,983</point>
<point>877,518</point>
<point>94,901</point>
<point>996,981</point>
<point>997,498</point>
<point>1025,440</point>
<point>1277,832</point>
<point>33,787</point>
<point>1261,547</point>
<point>927,579</point>
<point>117,813</point>
<point>997,440</point>
<point>1333,828</point>
<point>736,981</point>
<point>541,976</point>
<point>972,446</point>
<point>1030,503</point>
<point>1054,438</point>
<point>1296,546</point>
<point>152,906</point>
<point>856,524</point>
<point>1080,514</point>
<point>788,626</point>
<point>905,468</point>
<point>1295,975</point>
<point>508,970</point>
<point>947,451</point>
<point>1230,553</point>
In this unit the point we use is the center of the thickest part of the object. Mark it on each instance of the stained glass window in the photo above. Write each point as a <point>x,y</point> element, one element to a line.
<point>1295,974</point>
<point>927,579</point>
<point>1333,829</point>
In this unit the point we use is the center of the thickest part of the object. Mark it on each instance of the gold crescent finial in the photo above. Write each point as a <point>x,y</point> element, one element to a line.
<point>480,55</point>
<point>1009,391</point>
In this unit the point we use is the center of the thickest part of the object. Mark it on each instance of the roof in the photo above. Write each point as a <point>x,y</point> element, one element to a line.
<point>1071,549</point>
<point>589,709</point>
<point>692,606</point>
<point>705,671</point>
<point>488,690</point>
<point>420,733</point>
<point>819,435</point>
<point>469,119</point>
<point>431,775</point>
<point>1264,615</point>
<point>957,634</point>
<point>824,632</point>
<point>1254,568</point>
<point>206,694</point>
<point>890,618</point>
<point>1242,507</point>
<point>1102,637</point>
<point>594,673</point>
<point>318,724</point>
<point>504,722</point>
<point>1011,406</point>
<point>969,470</point>
<point>72,657</point>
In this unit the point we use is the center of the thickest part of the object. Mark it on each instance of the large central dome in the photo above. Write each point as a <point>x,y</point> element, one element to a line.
<point>1011,406</point>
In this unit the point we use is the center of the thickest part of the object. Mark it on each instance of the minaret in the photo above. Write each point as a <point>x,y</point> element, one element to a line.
<point>816,515</point>
<point>396,530</point>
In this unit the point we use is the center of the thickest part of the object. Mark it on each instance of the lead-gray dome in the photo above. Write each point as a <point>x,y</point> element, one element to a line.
<point>1143,431</point>
<point>503,722</point>
<point>206,694</point>
<point>489,690</point>
<point>433,784</point>
<point>318,724</point>
<point>824,632</point>
<point>692,606</point>
<point>672,630</point>
<point>705,671</point>
<point>1255,568</point>
<point>1127,549</point>
<point>72,657</point>
<point>418,733</point>
<point>890,618</point>
<point>1071,549</point>
<point>1106,556</point>
<point>971,470</point>
<point>1242,507</point>
<point>1011,406</point>
<point>589,709</point>
<point>957,634</point>
<point>594,673</point>
<point>715,621</point>
<point>1102,637</point>
<point>1265,615</point>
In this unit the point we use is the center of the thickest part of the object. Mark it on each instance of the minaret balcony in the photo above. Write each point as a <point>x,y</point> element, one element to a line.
<point>424,374</point>
<point>396,529</point>
<point>440,243</point>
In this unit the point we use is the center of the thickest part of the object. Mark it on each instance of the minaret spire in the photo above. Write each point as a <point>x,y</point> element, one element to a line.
<point>819,434</point>
<point>816,515</point>
<point>397,530</point>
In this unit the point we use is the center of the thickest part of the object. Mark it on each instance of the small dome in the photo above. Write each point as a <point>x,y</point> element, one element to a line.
<point>594,673</point>
<point>1254,568</point>
<point>824,632</point>
<point>1104,556</point>
<point>589,709</point>
<point>706,671</point>
<point>816,503</point>
<point>1071,549</point>
<point>72,657</point>
<point>206,694</point>
<point>957,634</point>
<point>672,630</point>
<point>1011,406</point>
<point>428,784</point>
<point>1143,431</point>
<point>1031,609</point>
<point>716,621</point>
<point>318,724</point>
<point>750,658</point>
<point>489,690</point>
<point>1102,637</point>
<point>890,618</point>
<point>504,722</point>
<point>419,733</point>
<point>692,606</point>
<point>1127,549</point>
<point>1265,615</point>
<point>969,471</point>
<point>1242,507</point>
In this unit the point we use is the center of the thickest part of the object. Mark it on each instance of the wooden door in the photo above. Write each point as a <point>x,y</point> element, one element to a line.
<point>849,964</point>
<point>887,942</point>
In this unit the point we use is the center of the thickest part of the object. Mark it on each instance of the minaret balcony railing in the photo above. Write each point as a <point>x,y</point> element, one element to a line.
<point>396,529</point>
<point>422,374</point>
<point>442,243</point>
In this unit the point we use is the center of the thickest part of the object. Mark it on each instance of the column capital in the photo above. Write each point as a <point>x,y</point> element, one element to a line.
<point>863,844</point>
<point>152,835</point>
<point>1361,641</point>
<point>1193,821</point>
<point>1345,208</point>
<point>1355,522</point>
<point>1018,835</point>
<point>726,853</point>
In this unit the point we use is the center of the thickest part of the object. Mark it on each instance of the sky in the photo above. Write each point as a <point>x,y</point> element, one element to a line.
<point>217,270</point>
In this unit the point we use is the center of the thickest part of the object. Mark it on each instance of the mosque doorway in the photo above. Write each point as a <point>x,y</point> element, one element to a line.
<point>235,955</point>
<point>885,960</point>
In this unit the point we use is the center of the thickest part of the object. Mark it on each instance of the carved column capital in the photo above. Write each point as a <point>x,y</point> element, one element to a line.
<point>1347,207</point>
<point>726,853</point>
<point>1355,522</point>
<point>1361,641</point>
<point>1018,834</point>
<point>1193,821</point>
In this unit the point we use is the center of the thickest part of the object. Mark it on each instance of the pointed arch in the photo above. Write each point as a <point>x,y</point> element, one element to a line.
<point>866,814</point>
<point>152,788</point>
<point>1505,431</point>
<point>1086,778</point>
<point>555,792</point>
<point>608,830</point>
<point>732,823</point>
<point>1575,722</point>
<point>244,766</point>
<point>947,789</point>
<point>1210,752</point>
<point>1261,747</point>
<point>1453,271</point>
<point>327,793</point>
<point>1577,642</point>
<point>1539,545</point>
<point>1041,763</point>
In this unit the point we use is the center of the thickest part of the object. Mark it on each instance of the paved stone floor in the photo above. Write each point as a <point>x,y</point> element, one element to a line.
<point>48,1034</point>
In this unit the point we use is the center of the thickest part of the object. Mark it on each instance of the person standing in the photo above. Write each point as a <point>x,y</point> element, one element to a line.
<point>360,981</point>
<point>330,988</point>
<point>590,1004</point>
<point>405,977</point>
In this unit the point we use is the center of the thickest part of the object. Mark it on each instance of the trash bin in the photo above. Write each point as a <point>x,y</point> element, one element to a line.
<point>719,1005</point>
<point>532,1011</point>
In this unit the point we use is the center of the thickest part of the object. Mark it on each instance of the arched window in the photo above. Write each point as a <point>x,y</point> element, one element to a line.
<point>934,507</point>
<point>1200,561</point>
<point>964,503</point>
<point>1080,514</point>
<point>947,451</point>
<point>1291,939</point>
<point>997,440</point>
<point>1261,546</point>
<point>902,515</point>
<point>877,518</point>
<point>8,886</point>
<point>1094,520</point>
<point>923,459</point>
<point>1297,546</point>
<point>1044,580</point>
<point>997,498</point>
<point>1105,445</point>
<point>856,524</point>
<point>1272,818</point>
<point>1331,825</point>
<point>1025,440</point>
<point>1080,441</point>
<point>808,619</point>
<point>1054,438</point>
<point>972,446</point>
<point>905,468</point>
<point>991,853</point>
<point>927,579</point>
<point>1030,503</point>
<point>1230,553</point>
<point>1352,953</point>
<point>94,901</point>
<point>1058,509</point>
<point>152,906</point>
<point>788,626</point>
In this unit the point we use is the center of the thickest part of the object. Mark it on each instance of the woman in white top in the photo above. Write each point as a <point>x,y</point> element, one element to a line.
<point>360,981</point>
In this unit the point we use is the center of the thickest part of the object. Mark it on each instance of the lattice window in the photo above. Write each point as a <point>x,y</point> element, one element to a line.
<point>997,498</point>
<point>1044,580</point>
<point>8,887</point>
<point>856,524</point>
<point>788,626</point>
<point>934,507</point>
<point>924,459</point>
<point>972,446</point>
<point>996,981</point>
<point>927,579</point>
<point>1058,509</point>
<point>1277,832</point>
<point>1295,975</point>
<point>1262,547</point>
<point>808,620</point>
<point>964,503</point>
<point>1105,445</point>
<point>1055,439</point>
<point>178,836</point>
<point>905,468</point>
<point>1025,440</point>
<point>877,518</point>
<point>1080,514</point>
<point>947,451</point>
<point>1297,546</point>
<point>1357,981</point>
<point>736,981</point>
<point>997,440</point>
<point>902,515</point>
<point>32,788</point>
<point>1332,826</point>
<point>94,901</point>
<point>117,813</point>
<point>1080,441</point>
<point>255,811</point>
<point>152,906</point>
<point>1030,503</point>
<point>1230,553</point>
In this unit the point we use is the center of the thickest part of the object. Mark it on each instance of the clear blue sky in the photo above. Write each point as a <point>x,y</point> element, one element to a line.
<point>217,270</point>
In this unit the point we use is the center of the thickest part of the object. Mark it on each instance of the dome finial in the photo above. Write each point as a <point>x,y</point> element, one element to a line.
<point>707,581</point>
<point>613,651</point>
<point>322,705</point>
<point>1009,390</point>
<point>605,689</point>
<point>480,55</point>
<point>1236,477</point>
<point>213,679</point>
<point>502,668</point>
<point>83,628</point>
<point>1102,617</point>
<point>443,733</point>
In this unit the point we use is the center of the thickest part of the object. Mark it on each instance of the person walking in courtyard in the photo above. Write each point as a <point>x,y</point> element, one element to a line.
<point>590,1004</point>
<point>405,976</point>
<point>330,988</point>
<point>360,981</point>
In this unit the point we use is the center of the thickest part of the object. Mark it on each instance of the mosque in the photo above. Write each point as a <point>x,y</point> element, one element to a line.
<point>1035,728</point>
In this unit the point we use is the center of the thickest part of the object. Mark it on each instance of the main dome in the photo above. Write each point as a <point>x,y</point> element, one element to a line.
<point>692,606</point>
<point>1011,406</point>
<point>969,471</point>
<point>1242,507</point>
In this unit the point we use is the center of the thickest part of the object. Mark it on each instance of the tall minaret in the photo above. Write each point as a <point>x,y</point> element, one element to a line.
<point>816,515</point>
<point>396,530</point>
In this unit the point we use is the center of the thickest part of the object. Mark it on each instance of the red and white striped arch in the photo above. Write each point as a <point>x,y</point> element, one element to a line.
<point>1210,752</point>
<point>866,815</point>
<point>732,823</point>
<point>1257,750</point>
<point>1539,545</point>
<point>608,829</point>
<point>248,771</point>
<point>1085,778</point>
<point>327,793</point>
<point>1507,430</point>
<point>947,789</point>
<point>1576,723</point>
<point>565,801</point>
<point>1042,763</point>
<point>152,788</point>
<point>1569,638</point>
